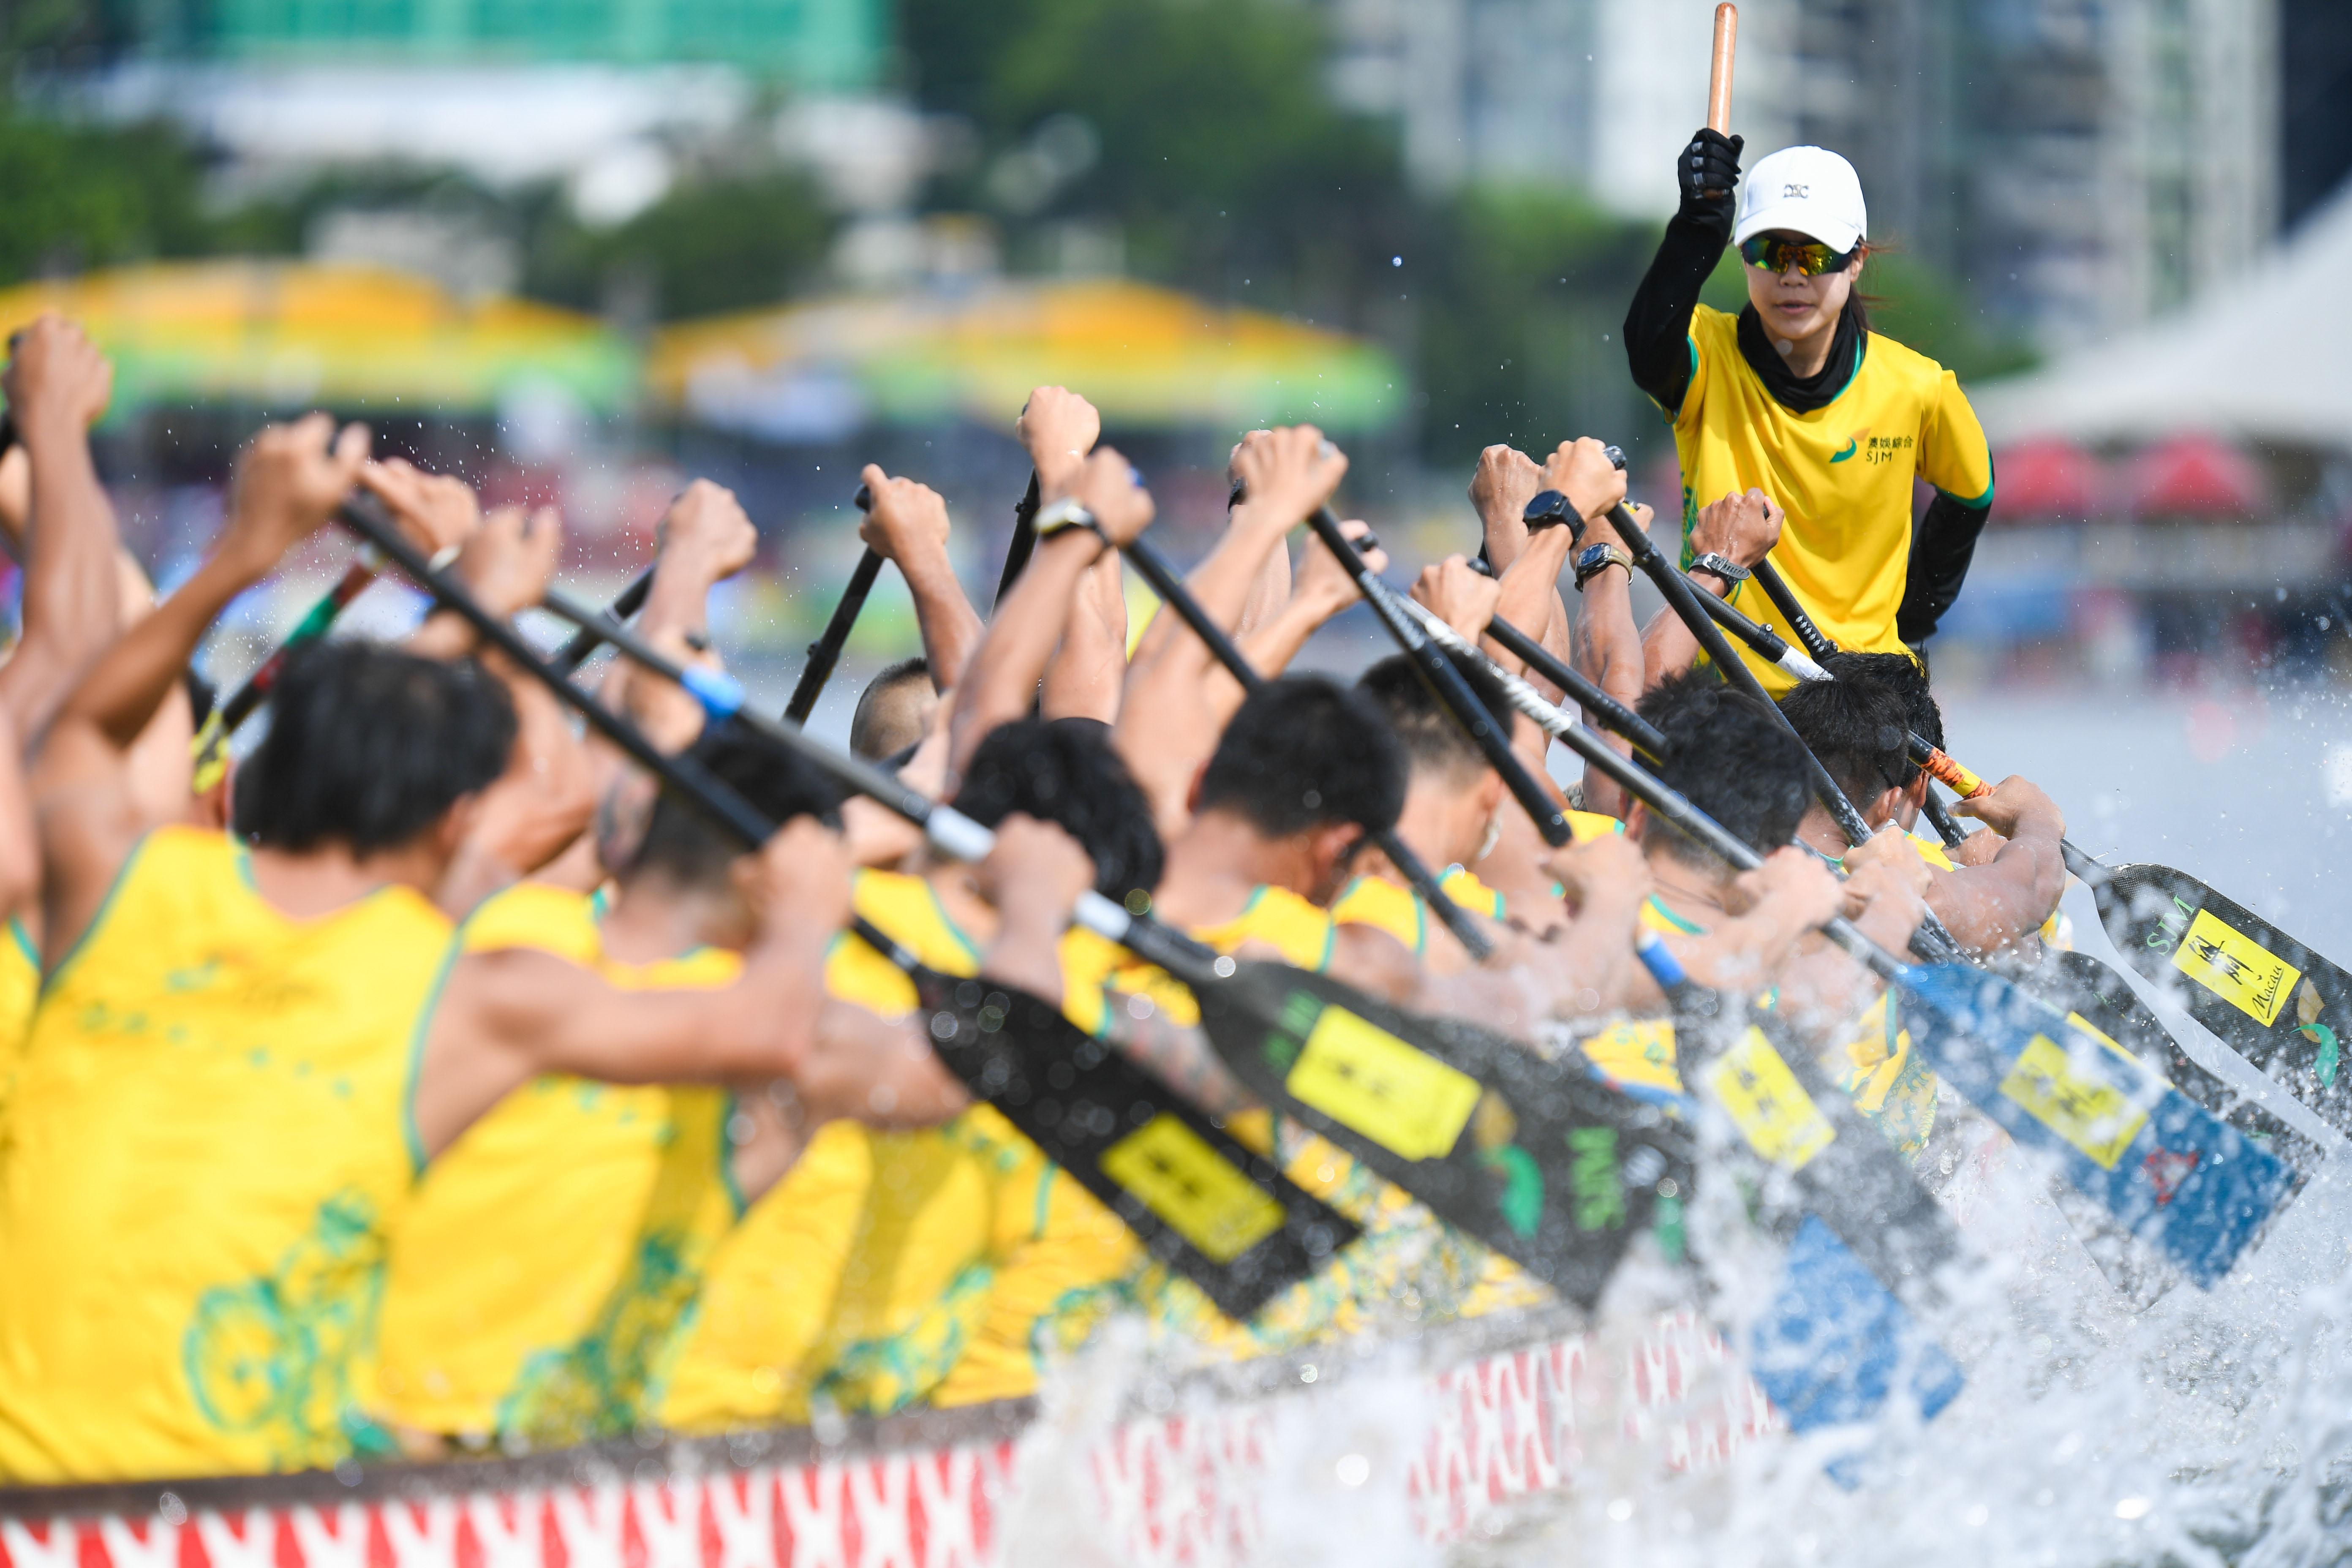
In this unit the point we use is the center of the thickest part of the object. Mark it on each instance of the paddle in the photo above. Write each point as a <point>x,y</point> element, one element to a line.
<point>582,643</point>
<point>2148,911</point>
<point>1155,569</point>
<point>209,748</point>
<point>1164,1167</point>
<point>1866,1242</point>
<point>825,652</point>
<point>1931,942</point>
<point>1473,1125</point>
<point>1024,541</point>
<point>1452,690</point>
<point>2165,1167</point>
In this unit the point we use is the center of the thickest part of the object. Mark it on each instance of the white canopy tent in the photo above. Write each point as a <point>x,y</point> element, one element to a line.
<point>2266,357</point>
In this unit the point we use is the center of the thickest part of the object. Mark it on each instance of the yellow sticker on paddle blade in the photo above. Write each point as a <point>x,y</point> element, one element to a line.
<point>2236,968</point>
<point>2096,1117</point>
<point>1198,1193</point>
<point>1768,1104</point>
<point>1364,1077</point>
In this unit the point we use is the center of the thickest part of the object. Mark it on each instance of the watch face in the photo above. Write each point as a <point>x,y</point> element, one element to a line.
<point>1548,507</point>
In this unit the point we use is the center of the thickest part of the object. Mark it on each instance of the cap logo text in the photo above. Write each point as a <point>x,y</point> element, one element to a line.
<point>1799,192</point>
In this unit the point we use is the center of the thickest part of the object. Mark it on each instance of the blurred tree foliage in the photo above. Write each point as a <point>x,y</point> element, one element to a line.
<point>75,197</point>
<point>724,242</point>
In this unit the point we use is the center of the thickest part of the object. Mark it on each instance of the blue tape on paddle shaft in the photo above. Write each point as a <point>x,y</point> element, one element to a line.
<point>1659,960</point>
<point>720,694</point>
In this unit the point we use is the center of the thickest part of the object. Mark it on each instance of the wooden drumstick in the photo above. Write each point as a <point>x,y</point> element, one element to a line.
<point>1718,76</point>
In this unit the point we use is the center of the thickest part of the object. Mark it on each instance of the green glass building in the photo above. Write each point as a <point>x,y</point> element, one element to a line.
<point>808,43</point>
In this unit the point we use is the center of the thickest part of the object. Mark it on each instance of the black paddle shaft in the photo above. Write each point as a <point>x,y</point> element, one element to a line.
<point>587,639</point>
<point>1437,667</point>
<point>1157,571</point>
<point>1776,588</point>
<point>1025,537</point>
<point>825,652</point>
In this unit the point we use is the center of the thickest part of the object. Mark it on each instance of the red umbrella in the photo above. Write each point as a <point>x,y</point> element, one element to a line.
<point>2198,476</point>
<point>2048,479</point>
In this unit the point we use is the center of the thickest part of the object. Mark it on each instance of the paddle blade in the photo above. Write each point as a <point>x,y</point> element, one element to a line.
<point>2168,1170</point>
<point>1214,1212</point>
<point>2096,995</point>
<point>2284,1007</point>
<point>1534,1158</point>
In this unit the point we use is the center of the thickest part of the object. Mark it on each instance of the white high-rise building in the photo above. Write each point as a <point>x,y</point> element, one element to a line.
<point>2083,165</point>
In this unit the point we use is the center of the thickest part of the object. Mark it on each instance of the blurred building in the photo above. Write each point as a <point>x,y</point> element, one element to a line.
<point>2084,164</point>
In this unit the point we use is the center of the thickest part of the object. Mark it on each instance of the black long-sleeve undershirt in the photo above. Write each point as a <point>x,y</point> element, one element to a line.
<point>1941,548</point>
<point>1658,323</point>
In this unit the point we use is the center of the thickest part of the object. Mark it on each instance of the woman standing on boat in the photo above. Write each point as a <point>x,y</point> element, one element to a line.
<point>1796,398</point>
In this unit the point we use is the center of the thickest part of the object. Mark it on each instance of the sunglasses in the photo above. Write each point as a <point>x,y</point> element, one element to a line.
<point>1807,256</point>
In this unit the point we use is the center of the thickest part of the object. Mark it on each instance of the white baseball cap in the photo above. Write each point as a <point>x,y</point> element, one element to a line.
<point>1808,190</point>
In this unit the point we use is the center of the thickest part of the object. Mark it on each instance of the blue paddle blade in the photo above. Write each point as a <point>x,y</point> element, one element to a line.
<point>1833,1345</point>
<point>2169,1170</point>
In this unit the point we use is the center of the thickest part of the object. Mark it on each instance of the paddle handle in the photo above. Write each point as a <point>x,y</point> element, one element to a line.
<point>1941,765</point>
<point>825,652</point>
<point>1784,599</point>
<point>1718,72</point>
<point>313,625</point>
<point>1769,645</point>
<point>365,516</point>
<point>1155,569</point>
<point>1025,537</point>
<point>586,640</point>
<point>1492,740</point>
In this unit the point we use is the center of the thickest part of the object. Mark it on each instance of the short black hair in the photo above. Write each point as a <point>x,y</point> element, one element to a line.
<point>873,735</point>
<point>1062,771</point>
<point>1433,738</point>
<point>1305,751</point>
<point>369,746</point>
<point>1727,755</point>
<point>682,842</point>
<point>1858,723</point>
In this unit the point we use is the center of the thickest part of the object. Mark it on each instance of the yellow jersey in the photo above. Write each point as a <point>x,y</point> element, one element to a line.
<point>548,1253</point>
<point>211,1130</point>
<point>869,1278</point>
<point>20,988</point>
<point>1842,472</point>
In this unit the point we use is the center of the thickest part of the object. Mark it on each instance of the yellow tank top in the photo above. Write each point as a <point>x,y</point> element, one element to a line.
<point>212,1127</point>
<point>866,1278</point>
<point>548,1252</point>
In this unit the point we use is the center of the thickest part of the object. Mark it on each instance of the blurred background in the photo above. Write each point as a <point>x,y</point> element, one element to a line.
<point>577,250</point>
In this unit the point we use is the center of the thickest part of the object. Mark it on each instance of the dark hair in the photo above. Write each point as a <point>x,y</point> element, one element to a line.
<point>369,747</point>
<point>1305,751</point>
<point>872,733</point>
<point>1858,723</point>
<point>1727,753</point>
<point>1433,738</point>
<point>1062,771</point>
<point>684,843</point>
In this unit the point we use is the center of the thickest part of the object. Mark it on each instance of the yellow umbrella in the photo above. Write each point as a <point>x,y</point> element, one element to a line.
<point>291,334</point>
<point>1145,355</point>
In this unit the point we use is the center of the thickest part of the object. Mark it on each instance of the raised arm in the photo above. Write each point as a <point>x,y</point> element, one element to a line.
<point>1991,903</point>
<point>288,483</point>
<point>57,385</point>
<point>509,1015</point>
<point>1002,678</point>
<point>908,524</point>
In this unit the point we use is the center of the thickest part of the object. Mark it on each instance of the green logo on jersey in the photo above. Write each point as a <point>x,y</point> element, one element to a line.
<point>1851,442</point>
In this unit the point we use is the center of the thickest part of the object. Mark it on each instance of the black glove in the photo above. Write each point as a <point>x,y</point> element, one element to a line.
<point>1709,169</point>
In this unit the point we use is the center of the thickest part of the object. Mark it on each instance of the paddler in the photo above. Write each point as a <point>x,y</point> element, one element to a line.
<point>1796,407</point>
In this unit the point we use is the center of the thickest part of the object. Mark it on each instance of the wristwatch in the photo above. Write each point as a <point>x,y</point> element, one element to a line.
<point>1548,510</point>
<point>1715,564</point>
<point>1068,513</point>
<point>1600,558</point>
